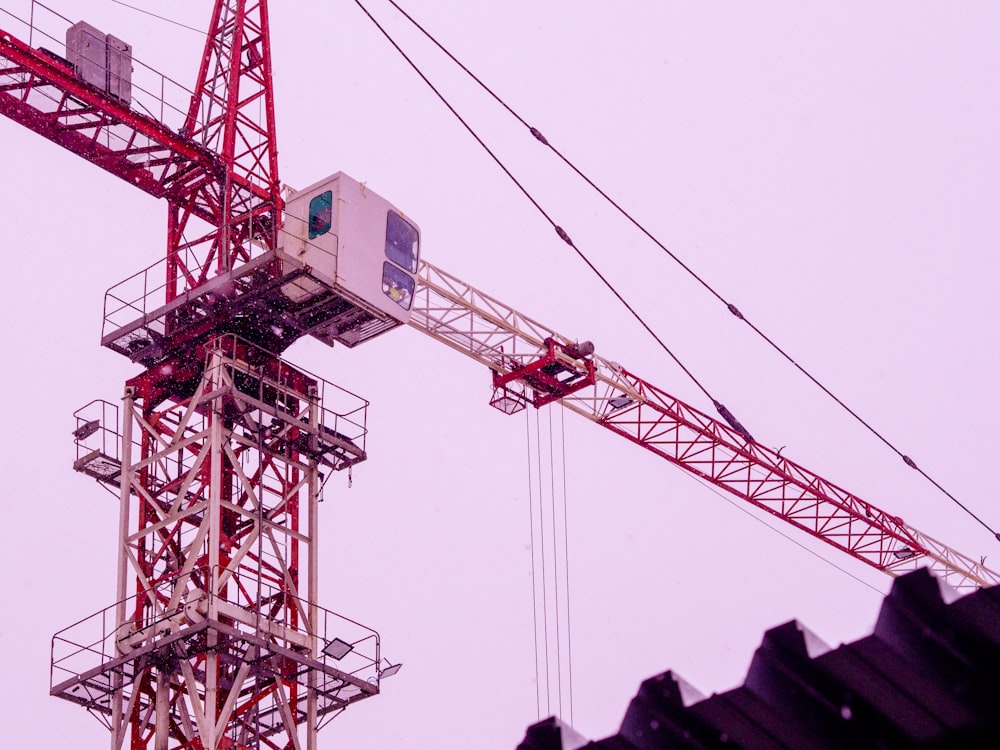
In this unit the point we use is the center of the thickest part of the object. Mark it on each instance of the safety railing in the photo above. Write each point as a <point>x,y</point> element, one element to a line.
<point>135,296</point>
<point>153,93</point>
<point>97,440</point>
<point>289,394</point>
<point>97,647</point>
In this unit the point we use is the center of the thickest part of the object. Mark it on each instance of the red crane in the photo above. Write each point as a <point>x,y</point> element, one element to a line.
<point>217,640</point>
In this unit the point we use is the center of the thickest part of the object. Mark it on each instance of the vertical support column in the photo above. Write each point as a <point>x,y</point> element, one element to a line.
<point>315,419</point>
<point>118,707</point>
<point>160,732</point>
<point>216,458</point>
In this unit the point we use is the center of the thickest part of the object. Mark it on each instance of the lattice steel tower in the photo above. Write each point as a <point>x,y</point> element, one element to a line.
<point>219,452</point>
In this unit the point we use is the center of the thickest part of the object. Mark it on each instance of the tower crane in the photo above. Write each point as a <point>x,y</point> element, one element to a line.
<point>216,638</point>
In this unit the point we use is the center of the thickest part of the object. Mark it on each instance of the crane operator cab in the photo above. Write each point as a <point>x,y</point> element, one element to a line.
<point>357,255</point>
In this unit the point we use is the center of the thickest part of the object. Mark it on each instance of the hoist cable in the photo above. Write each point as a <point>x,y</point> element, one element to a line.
<point>569,610</point>
<point>534,584</point>
<point>732,308</point>
<point>555,562</point>
<point>545,580</point>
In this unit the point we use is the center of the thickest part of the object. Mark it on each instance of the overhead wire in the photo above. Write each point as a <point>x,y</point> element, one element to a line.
<point>200,32</point>
<point>731,307</point>
<point>563,235</point>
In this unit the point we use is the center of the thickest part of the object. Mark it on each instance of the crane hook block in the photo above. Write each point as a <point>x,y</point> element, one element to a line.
<point>562,369</point>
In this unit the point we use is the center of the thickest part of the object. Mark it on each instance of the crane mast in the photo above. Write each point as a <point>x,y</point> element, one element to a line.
<point>216,639</point>
<point>219,449</point>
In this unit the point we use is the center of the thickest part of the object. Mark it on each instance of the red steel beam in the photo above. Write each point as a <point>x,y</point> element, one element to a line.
<point>485,329</point>
<point>43,94</point>
<point>706,447</point>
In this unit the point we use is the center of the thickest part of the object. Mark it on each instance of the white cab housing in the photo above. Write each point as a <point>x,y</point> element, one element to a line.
<point>357,245</point>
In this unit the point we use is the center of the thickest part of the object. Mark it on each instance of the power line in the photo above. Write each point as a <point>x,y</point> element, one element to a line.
<point>732,308</point>
<point>200,32</point>
<point>563,235</point>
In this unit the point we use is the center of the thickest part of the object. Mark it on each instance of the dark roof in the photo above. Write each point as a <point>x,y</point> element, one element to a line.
<point>928,677</point>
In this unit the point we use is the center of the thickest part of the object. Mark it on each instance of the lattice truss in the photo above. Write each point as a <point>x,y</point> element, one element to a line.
<point>232,115</point>
<point>506,341</point>
<point>234,91</point>
<point>42,92</point>
<point>217,625</point>
<point>202,150</point>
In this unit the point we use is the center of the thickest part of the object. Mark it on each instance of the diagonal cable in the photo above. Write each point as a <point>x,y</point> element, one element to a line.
<point>726,413</point>
<point>732,308</point>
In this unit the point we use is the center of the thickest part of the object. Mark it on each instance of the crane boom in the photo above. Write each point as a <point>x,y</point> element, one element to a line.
<point>508,343</point>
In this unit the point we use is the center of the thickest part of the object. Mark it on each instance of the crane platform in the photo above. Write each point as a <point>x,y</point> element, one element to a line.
<point>271,301</point>
<point>95,665</point>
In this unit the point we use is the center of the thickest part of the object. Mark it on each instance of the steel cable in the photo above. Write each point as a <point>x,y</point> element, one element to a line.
<point>732,308</point>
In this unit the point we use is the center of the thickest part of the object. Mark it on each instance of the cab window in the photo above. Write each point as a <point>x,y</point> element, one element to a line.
<point>397,285</point>
<point>402,243</point>
<point>320,214</point>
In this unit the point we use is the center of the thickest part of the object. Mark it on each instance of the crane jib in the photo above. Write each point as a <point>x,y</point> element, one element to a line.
<point>482,327</point>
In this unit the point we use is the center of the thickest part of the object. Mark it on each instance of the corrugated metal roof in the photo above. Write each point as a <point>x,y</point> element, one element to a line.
<point>928,677</point>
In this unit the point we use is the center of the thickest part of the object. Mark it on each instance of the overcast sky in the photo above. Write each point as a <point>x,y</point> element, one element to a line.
<point>832,171</point>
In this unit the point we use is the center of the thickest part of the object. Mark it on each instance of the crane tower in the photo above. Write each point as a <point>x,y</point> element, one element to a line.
<point>219,450</point>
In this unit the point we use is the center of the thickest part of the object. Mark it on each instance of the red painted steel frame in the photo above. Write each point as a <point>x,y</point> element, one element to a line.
<point>234,87</point>
<point>704,446</point>
<point>542,375</point>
